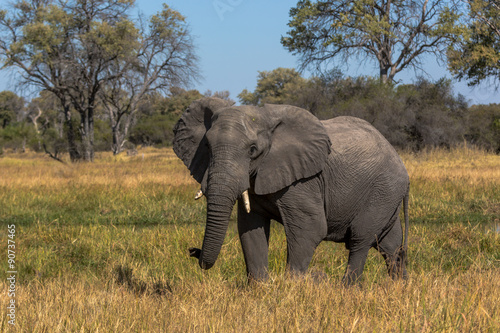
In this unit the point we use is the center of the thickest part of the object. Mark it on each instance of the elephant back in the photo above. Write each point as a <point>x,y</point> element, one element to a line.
<point>357,144</point>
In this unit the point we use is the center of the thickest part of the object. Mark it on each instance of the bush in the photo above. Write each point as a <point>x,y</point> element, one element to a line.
<point>155,130</point>
<point>16,136</point>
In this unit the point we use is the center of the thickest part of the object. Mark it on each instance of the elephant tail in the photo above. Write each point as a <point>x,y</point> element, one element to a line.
<point>407,222</point>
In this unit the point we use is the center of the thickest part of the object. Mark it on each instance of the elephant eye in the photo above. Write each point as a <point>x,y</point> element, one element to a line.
<point>253,150</point>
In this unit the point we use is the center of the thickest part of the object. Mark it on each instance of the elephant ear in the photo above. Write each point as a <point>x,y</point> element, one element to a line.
<point>299,149</point>
<point>190,143</point>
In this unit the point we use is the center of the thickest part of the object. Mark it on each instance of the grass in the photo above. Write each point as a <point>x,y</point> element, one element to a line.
<point>103,247</point>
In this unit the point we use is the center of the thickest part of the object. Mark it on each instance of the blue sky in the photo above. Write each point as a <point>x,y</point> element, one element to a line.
<point>237,38</point>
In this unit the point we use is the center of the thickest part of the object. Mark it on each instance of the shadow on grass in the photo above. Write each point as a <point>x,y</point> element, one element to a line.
<point>124,276</point>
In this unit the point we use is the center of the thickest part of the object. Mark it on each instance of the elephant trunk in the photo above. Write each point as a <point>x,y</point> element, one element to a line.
<point>223,189</point>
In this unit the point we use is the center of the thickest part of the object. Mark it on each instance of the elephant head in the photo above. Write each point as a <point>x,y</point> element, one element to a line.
<point>231,149</point>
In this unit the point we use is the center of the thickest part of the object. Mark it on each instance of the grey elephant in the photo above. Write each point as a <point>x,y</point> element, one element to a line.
<point>336,180</point>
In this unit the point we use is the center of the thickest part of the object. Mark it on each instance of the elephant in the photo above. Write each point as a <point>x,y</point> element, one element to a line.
<point>336,180</point>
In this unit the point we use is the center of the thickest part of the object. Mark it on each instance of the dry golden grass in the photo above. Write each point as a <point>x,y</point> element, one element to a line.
<point>467,302</point>
<point>102,247</point>
<point>151,165</point>
<point>471,166</point>
<point>463,183</point>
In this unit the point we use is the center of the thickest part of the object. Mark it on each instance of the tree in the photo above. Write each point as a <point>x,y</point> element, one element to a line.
<point>86,50</point>
<point>277,87</point>
<point>65,47</point>
<point>11,108</point>
<point>484,126</point>
<point>165,58</point>
<point>393,33</point>
<point>286,86</point>
<point>158,114</point>
<point>224,94</point>
<point>177,101</point>
<point>477,54</point>
<point>104,33</point>
<point>45,113</point>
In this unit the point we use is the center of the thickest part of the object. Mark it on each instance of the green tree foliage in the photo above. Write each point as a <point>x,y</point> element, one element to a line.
<point>276,86</point>
<point>394,34</point>
<point>155,130</point>
<point>484,126</point>
<point>158,116</point>
<point>177,101</point>
<point>36,125</point>
<point>42,124</point>
<point>477,55</point>
<point>16,137</point>
<point>431,114</point>
<point>44,112</point>
<point>11,108</point>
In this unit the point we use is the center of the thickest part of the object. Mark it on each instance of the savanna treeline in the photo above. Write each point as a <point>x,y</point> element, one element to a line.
<point>410,116</point>
<point>102,76</point>
<point>40,124</point>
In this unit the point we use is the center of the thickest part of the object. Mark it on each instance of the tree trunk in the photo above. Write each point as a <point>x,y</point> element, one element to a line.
<point>74,155</point>
<point>383,74</point>
<point>34,119</point>
<point>91,133</point>
<point>115,147</point>
<point>392,73</point>
<point>118,140</point>
<point>87,133</point>
<point>120,132</point>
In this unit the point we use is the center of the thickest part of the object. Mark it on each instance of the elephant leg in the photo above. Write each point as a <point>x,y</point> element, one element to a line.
<point>355,264</point>
<point>304,220</point>
<point>362,237</point>
<point>391,249</point>
<point>299,253</point>
<point>254,236</point>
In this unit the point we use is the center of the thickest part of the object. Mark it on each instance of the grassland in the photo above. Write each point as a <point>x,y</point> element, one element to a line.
<point>102,247</point>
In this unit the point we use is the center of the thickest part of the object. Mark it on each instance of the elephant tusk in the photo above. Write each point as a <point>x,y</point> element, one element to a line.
<point>246,201</point>
<point>198,195</point>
